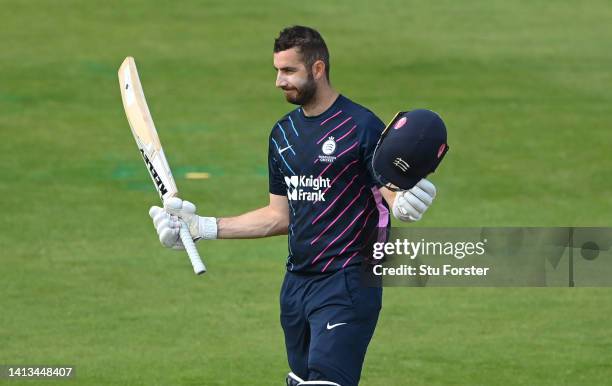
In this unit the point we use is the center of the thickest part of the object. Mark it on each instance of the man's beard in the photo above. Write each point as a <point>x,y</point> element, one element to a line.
<point>304,94</point>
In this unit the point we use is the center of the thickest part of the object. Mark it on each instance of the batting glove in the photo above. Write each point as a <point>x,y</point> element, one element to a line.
<point>167,222</point>
<point>167,228</point>
<point>409,205</point>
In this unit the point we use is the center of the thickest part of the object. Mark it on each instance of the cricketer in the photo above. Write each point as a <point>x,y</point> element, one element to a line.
<point>325,196</point>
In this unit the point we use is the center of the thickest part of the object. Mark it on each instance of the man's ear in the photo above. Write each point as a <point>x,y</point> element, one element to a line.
<point>318,69</point>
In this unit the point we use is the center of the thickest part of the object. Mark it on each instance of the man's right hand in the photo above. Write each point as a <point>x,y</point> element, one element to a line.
<point>167,222</point>
<point>167,228</point>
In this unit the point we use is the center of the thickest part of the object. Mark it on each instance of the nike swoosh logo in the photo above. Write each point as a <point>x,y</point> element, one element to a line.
<point>332,326</point>
<point>280,151</point>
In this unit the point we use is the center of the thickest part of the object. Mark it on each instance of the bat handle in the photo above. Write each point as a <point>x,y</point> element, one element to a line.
<point>194,256</point>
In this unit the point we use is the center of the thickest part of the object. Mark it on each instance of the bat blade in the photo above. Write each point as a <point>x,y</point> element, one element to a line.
<point>147,140</point>
<point>143,129</point>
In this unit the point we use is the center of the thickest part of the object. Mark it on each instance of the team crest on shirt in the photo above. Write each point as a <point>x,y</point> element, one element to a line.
<point>328,149</point>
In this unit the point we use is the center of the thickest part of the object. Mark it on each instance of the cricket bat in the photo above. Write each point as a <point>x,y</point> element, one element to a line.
<point>146,137</point>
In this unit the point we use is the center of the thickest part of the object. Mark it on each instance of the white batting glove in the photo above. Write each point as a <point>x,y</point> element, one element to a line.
<point>167,228</point>
<point>199,227</point>
<point>409,205</point>
<point>167,222</point>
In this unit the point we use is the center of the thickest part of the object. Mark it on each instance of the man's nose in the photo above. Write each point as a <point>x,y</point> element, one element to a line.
<point>280,81</point>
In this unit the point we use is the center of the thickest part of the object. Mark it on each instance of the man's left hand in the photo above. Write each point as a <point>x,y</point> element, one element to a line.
<point>409,205</point>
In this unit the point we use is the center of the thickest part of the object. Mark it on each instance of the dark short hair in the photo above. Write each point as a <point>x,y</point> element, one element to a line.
<point>309,43</point>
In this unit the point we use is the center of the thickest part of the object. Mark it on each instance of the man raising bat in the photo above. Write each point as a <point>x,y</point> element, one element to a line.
<point>327,197</point>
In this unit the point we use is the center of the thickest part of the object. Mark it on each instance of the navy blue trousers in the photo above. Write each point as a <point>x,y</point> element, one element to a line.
<point>328,321</point>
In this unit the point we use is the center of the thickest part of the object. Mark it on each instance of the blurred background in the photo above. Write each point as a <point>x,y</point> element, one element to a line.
<point>524,89</point>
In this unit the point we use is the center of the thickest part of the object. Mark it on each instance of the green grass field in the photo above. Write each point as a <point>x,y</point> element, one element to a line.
<point>524,88</point>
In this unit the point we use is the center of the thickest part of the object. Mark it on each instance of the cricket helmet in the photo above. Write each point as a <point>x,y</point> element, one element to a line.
<point>412,146</point>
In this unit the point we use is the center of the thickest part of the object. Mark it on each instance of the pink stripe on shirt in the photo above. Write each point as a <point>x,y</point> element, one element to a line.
<point>383,212</point>
<point>328,263</point>
<point>335,199</point>
<point>337,237</point>
<point>349,259</point>
<point>365,222</point>
<point>338,175</point>
<point>337,217</point>
<point>333,116</point>
<point>334,129</point>
<point>351,242</point>
<point>347,133</point>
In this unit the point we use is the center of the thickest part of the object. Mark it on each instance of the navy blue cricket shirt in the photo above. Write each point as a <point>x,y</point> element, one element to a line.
<point>323,165</point>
